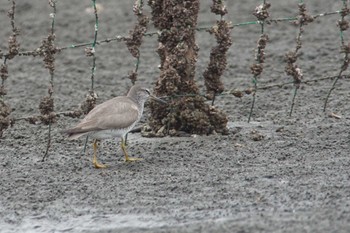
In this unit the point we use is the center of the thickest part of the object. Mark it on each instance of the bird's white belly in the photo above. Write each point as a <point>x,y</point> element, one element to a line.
<point>110,133</point>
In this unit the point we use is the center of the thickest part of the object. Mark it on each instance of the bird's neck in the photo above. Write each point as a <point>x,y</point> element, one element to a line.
<point>140,103</point>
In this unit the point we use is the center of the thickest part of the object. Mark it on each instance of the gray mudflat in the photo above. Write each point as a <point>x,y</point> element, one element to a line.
<point>275,174</point>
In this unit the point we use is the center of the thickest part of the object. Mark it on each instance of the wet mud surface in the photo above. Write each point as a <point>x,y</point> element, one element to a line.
<point>275,174</point>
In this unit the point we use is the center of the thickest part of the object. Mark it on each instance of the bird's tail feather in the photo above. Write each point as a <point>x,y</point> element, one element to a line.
<point>73,135</point>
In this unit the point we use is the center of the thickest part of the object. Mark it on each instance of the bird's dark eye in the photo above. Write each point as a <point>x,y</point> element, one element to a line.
<point>147,91</point>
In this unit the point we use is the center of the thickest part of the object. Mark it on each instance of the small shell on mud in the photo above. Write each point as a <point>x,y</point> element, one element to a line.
<point>336,116</point>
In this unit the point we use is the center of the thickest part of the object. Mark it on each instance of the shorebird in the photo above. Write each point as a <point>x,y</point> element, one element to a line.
<point>113,119</point>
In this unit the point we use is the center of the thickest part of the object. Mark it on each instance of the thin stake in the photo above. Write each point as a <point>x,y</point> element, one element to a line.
<point>52,3</point>
<point>255,78</point>
<point>291,68</point>
<point>253,101</point>
<point>137,64</point>
<point>48,144</point>
<point>296,86</point>
<point>85,144</point>
<point>345,60</point>
<point>213,101</point>
<point>331,89</point>
<point>293,100</point>
<point>93,68</point>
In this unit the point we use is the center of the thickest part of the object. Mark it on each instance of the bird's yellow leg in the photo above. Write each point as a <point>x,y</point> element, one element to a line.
<point>94,160</point>
<point>127,158</point>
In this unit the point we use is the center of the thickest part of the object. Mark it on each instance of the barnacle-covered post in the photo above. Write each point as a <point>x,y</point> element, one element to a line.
<point>343,25</point>
<point>218,60</point>
<point>186,110</point>
<point>291,68</point>
<point>5,110</point>
<point>90,100</point>
<point>134,41</point>
<point>261,13</point>
<point>48,51</point>
<point>13,48</point>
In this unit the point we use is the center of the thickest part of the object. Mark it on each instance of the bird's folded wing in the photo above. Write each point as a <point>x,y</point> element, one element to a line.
<point>111,114</point>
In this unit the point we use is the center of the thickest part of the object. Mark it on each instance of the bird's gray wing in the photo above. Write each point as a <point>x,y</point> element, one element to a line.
<point>114,113</point>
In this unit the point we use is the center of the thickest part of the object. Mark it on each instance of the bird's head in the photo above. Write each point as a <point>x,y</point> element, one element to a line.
<point>141,94</point>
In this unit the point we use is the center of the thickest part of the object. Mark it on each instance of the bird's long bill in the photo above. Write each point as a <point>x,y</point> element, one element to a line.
<point>157,99</point>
